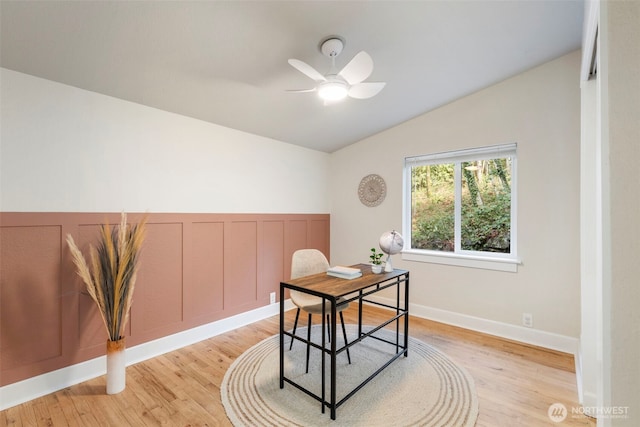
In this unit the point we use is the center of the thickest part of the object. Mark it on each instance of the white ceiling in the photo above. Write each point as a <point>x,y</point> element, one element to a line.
<point>225,62</point>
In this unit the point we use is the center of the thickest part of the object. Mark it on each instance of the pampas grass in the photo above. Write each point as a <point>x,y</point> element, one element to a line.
<point>111,274</point>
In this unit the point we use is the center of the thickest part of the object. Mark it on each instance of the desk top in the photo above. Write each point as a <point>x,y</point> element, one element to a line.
<point>322,284</point>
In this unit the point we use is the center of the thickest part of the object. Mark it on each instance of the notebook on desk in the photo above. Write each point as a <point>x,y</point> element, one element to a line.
<point>344,272</point>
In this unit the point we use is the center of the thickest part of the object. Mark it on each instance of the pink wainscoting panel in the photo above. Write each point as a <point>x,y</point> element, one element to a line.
<point>318,236</point>
<point>240,263</point>
<point>195,269</point>
<point>272,258</point>
<point>207,268</point>
<point>30,293</point>
<point>159,283</point>
<point>298,236</point>
<point>91,329</point>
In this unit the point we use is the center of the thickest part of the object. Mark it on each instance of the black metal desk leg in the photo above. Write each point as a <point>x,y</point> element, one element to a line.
<point>406,316</point>
<point>333,357</point>
<point>359,314</point>
<point>282,336</point>
<point>324,364</point>
<point>397,313</point>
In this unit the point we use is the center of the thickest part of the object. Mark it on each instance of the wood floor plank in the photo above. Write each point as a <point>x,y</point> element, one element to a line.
<point>515,383</point>
<point>83,403</point>
<point>67,407</point>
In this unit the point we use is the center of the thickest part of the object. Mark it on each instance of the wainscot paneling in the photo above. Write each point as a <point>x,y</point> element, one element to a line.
<point>195,269</point>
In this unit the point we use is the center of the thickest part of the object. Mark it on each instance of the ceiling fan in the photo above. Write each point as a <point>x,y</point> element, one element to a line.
<point>336,85</point>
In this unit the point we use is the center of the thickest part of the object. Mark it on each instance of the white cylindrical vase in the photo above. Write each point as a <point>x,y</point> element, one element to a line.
<point>116,366</point>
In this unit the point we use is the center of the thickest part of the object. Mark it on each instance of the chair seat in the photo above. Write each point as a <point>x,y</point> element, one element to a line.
<point>313,304</point>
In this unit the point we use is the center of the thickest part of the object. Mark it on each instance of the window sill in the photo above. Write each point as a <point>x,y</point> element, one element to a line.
<point>460,260</point>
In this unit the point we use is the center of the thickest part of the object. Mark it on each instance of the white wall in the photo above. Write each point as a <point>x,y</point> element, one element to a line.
<point>590,242</point>
<point>620,133</point>
<point>540,110</point>
<point>66,149</point>
<point>63,149</point>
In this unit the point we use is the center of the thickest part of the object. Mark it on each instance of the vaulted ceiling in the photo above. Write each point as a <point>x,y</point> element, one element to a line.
<point>225,62</point>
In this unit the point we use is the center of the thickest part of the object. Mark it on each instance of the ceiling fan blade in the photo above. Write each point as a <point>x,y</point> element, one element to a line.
<point>366,90</point>
<point>301,90</point>
<point>358,69</point>
<point>307,70</point>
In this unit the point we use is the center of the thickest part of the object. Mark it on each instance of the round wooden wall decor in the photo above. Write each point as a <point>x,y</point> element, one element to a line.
<point>372,190</point>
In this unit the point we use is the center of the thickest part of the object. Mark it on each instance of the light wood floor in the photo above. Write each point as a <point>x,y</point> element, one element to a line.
<point>515,383</point>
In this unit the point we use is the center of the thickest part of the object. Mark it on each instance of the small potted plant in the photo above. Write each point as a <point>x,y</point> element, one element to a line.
<point>376,261</point>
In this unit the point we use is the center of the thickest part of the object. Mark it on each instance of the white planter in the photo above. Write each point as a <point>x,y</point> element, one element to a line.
<point>376,268</point>
<point>116,366</point>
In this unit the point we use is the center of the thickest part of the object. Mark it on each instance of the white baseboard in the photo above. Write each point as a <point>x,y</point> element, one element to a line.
<point>579,383</point>
<point>504,330</point>
<point>31,388</point>
<point>589,400</point>
<point>23,391</point>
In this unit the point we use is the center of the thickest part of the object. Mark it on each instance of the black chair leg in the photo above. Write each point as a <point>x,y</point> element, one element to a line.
<point>344,333</point>
<point>308,341</point>
<point>295,325</point>
<point>329,327</point>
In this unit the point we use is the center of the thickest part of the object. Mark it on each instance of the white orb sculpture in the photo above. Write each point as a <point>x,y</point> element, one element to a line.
<point>391,243</point>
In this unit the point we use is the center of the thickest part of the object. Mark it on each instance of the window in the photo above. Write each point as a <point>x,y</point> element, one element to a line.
<point>460,207</point>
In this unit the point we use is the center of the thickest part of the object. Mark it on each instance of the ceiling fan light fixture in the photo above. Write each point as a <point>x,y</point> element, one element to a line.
<point>333,90</point>
<point>348,82</point>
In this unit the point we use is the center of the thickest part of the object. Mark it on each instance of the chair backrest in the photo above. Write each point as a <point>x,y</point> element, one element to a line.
<point>308,261</point>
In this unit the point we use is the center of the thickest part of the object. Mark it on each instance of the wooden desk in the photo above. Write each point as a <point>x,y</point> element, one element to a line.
<point>330,289</point>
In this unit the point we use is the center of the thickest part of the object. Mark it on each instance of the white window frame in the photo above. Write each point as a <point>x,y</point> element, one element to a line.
<point>459,257</point>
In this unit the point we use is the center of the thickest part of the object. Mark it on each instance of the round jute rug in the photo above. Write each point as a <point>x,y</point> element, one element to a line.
<point>424,389</point>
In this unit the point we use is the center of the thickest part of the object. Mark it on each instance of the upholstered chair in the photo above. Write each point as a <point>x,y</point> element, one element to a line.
<point>306,262</point>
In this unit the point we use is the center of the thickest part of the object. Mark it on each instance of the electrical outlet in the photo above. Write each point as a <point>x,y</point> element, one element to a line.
<point>272,298</point>
<point>527,320</point>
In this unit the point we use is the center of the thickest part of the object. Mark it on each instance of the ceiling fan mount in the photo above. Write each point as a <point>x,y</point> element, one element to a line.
<point>332,47</point>
<point>349,81</point>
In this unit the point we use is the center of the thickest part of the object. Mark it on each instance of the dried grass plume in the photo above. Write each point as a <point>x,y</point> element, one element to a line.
<point>110,276</point>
